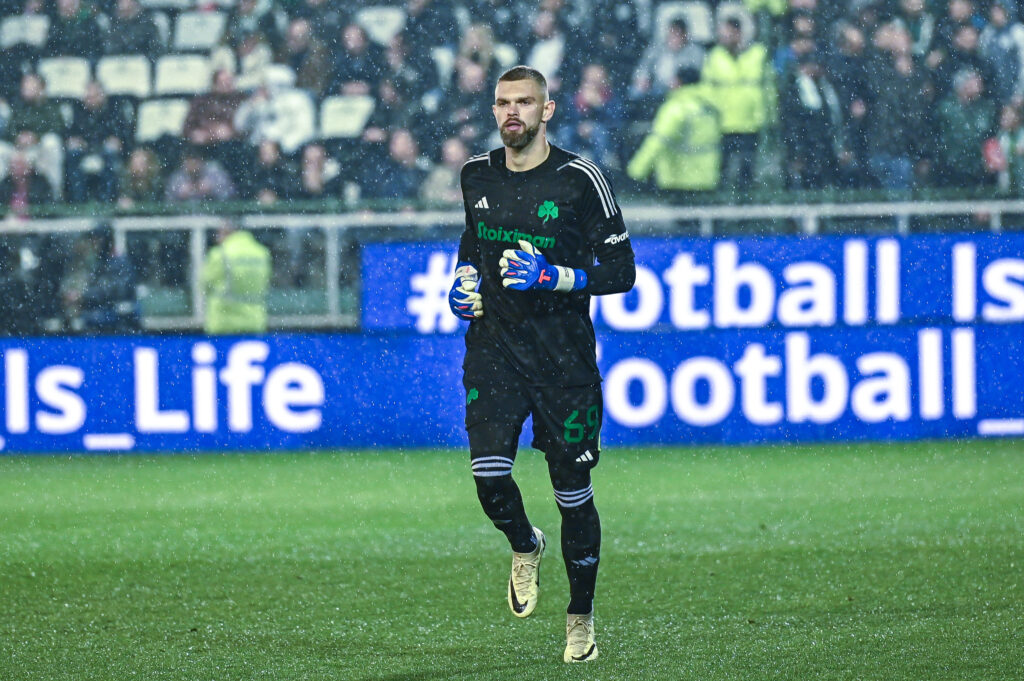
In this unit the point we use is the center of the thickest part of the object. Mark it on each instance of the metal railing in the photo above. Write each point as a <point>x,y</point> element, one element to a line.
<point>365,226</point>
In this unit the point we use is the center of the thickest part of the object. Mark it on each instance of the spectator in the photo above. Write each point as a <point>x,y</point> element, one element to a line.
<point>546,48</point>
<point>326,17</point>
<point>132,31</point>
<point>1007,160</point>
<point>429,23</point>
<point>210,123</point>
<point>235,279</point>
<point>279,112</point>
<point>268,178</point>
<point>848,72</point>
<point>306,56</point>
<point>898,123</point>
<point>318,176</point>
<point>1002,47</point>
<point>442,184</point>
<point>108,302</point>
<point>504,19</point>
<point>738,78</point>
<point>18,314</point>
<point>96,139</point>
<point>683,149</point>
<point>920,24</point>
<point>253,16</point>
<point>23,187</point>
<point>254,57</point>
<point>401,173</point>
<point>73,280</point>
<point>964,53</point>
<point>198,179</point>
<point>812,124</point>
<point>469,105</point>
<point>141,182</point>
<point>613,38</point>
<point>357,66</point>
<point>410,77</point>
<point>594,117</point>
<point>477,45</point>
<point>801,43</point>
<point>37,127</point>
<point>966,120</point>
<point>656,73</point>
<point>74,31</point>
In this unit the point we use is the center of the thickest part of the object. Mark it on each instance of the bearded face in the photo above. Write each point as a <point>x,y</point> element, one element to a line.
<point>517,135</point>
<point>520,109</point>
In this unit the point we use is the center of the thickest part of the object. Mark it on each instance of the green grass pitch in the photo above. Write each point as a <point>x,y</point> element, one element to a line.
<point>895,561</point>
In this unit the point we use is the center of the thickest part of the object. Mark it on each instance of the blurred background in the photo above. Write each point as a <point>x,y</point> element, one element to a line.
<point>320,125</point>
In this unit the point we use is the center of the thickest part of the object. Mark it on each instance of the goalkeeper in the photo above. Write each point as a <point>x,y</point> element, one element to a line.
<point>543,234</point>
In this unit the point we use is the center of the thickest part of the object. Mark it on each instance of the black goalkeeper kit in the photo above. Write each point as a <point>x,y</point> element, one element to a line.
<point>533,352</point>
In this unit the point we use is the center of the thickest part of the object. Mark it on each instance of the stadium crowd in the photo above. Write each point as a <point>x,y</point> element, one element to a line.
<point>127,104</point>
<point>270,100</point>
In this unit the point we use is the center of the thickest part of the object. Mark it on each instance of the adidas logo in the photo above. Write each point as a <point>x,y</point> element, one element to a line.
<point>585,457</point>
<point>482,203</point>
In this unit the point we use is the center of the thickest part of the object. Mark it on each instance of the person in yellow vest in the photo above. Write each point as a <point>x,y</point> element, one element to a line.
<point>683,147</point>
<point>737,78</point>
<point>235,278</point>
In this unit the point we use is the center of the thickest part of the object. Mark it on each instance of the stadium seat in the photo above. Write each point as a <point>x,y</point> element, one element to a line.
<point>345,116</point>
<point>444,61</point>
<point>698,17</point>
<point>507,55</point>
<point>66,77</point>
<point>24,29</point>
<point>198,31</point>
<point>295,120</point>
<point>163,26</point>
<point>125,75</point>
<point>159,117</point>
<point>271,75</point>
<point>182,74</point>
<point>381,23</point>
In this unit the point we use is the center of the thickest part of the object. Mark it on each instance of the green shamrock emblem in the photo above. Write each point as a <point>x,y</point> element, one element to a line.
<point>472,395</point>
<point>548,210</point>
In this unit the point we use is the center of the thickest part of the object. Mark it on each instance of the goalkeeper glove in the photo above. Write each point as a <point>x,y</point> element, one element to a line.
<point>529,269</point>
<point>463,299</point>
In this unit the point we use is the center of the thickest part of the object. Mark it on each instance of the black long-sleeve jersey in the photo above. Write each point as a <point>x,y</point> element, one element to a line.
<point>564,207</point>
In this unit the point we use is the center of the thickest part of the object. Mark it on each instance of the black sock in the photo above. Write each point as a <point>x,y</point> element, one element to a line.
<point>581,548</point>
<point>503,504</point>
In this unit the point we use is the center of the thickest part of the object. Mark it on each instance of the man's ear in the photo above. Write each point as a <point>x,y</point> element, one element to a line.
<point>549,110</point>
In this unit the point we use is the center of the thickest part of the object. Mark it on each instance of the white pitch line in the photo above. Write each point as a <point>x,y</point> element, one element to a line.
<point>108,441</point>
<point>998,427</point>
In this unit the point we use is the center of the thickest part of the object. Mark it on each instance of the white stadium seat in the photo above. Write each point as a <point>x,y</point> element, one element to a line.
<point>345,115</point>
<point>698,18</point>
<point>182,74</point>
<point>295,115</point>
<point>125,75</point>
<point>198,31</point>
<point>24,29</point>
<point>381,23</point>
<point>66,77</point>
<point>444,62</point>
<point>158,117</point>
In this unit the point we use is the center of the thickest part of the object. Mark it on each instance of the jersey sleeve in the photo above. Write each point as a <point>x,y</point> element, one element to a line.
<point>606,234</point>
<point>469,244</point>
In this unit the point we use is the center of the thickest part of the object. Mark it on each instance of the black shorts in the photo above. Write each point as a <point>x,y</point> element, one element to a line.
<point>566,420</point>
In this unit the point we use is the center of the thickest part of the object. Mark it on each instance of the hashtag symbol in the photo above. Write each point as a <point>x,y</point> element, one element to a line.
<point>429,302</point>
